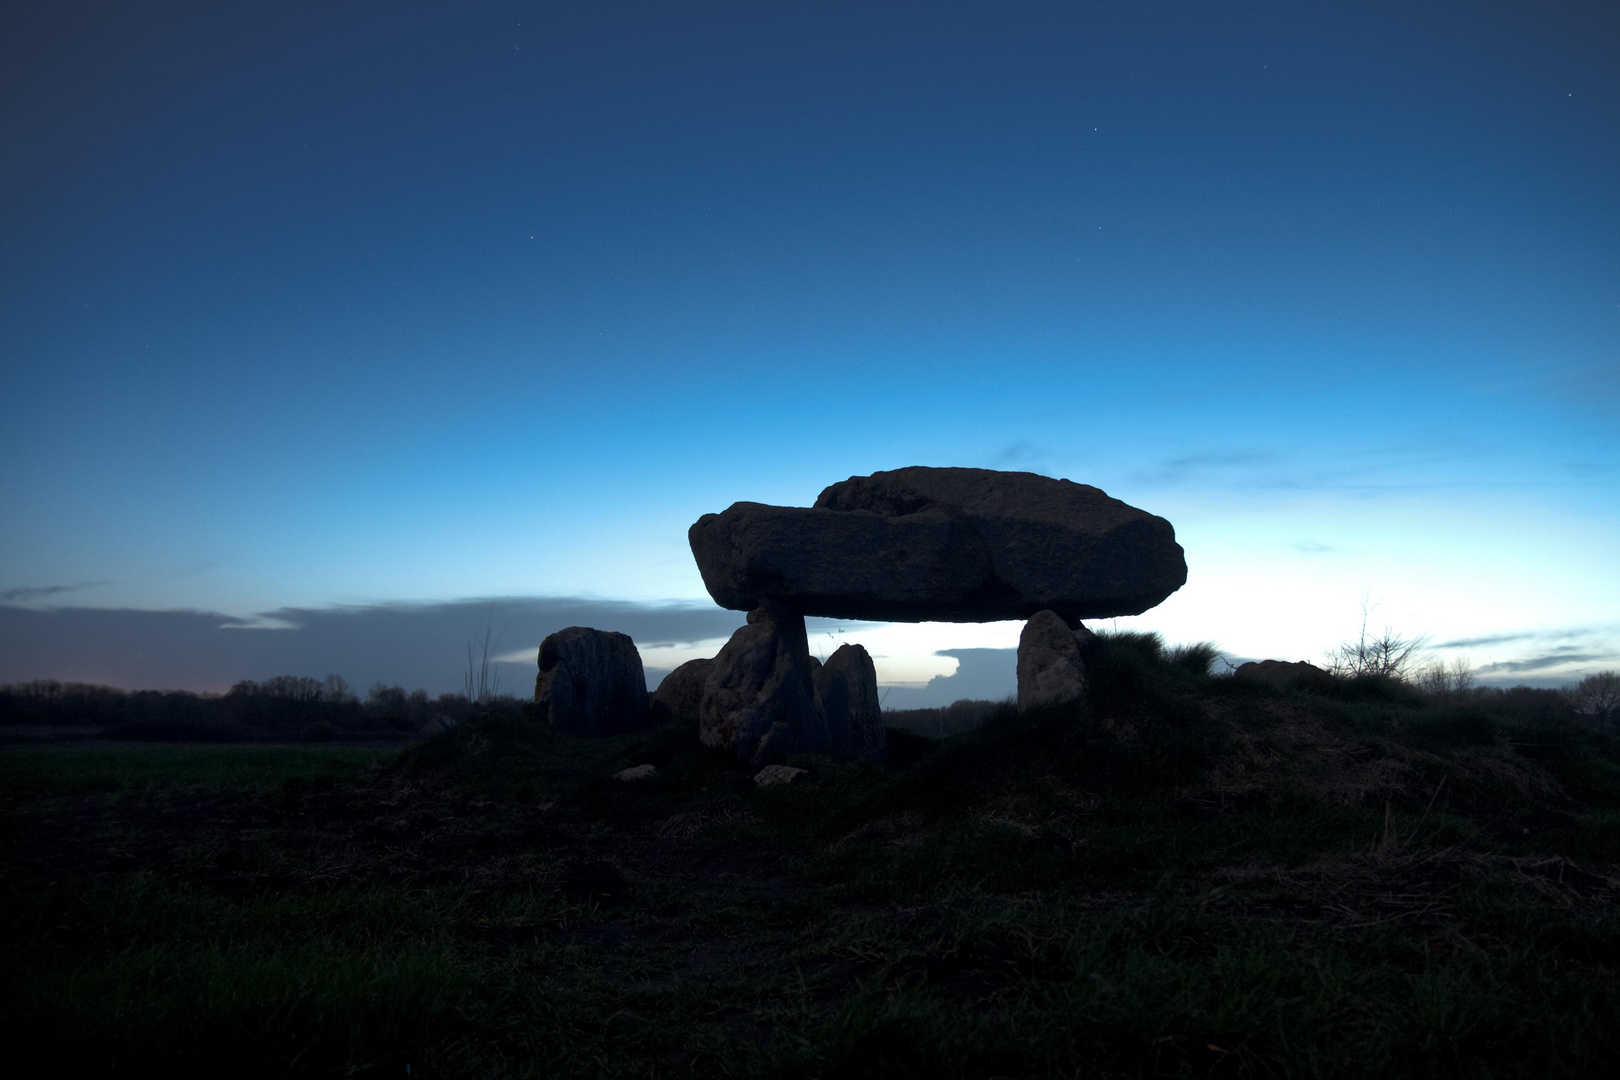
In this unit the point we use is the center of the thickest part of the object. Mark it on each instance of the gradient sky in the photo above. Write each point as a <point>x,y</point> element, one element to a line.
<point>353,307</point>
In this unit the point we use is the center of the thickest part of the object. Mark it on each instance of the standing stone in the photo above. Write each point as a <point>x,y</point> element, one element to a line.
<point>759,699</point>
<point>1050,671</point>
<point>847,697</point>
<point>591,683</point>
<point>680,695</point>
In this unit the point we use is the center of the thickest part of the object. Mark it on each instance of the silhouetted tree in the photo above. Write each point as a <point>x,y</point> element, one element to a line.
<point>1596,698</point>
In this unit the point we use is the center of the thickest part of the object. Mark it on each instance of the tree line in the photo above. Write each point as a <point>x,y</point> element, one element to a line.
<point>286,708</point>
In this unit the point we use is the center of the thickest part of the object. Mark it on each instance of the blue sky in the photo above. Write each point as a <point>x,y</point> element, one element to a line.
<point>316,307</point>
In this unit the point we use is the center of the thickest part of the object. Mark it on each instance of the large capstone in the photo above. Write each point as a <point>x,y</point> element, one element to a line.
<point>591,683</point>
<point>949,545</point>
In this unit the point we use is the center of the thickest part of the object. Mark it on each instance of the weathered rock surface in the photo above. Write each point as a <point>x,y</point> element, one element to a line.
<point>591,682</point>
<point>778,774</point>
<point>954,545</point>
<point>759,698</point>
<point>1050,669</point>
<point>1282,675</point>
<point>680,695</point>
<point>851,711</point>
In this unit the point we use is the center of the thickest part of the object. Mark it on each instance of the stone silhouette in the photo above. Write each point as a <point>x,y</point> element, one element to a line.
<point>591,683</point>
<point>1050,668</point>
<point>851,711</point>
<point>767,697</point>
<point>917,544</point>
<point>1282,675</point>
<point>759,699</point>
<point>680,695</point>
<point>953,545</point>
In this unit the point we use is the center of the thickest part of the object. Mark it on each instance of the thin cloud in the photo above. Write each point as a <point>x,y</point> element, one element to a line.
<point>1490,639</point>
<point>1189,466</point>
<point>1311,547</point>
<point>1428,465</point>
<point>414,645</point>
<point>1567,633</point>
<point>1019,453</point>
<point>39,592</point>
<point>1556,658</point>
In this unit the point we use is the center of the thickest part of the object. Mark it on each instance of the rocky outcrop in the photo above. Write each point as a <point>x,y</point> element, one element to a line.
<point>1050,669</point>
<point>955,545</point>
<point>1282,675</point>
<point>591,683</point>
<point>847,699</point>
<point>759,699</point>
<point>680,695</point>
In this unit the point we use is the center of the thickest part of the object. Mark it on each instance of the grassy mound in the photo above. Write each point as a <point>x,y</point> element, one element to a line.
<point>1192,875</point>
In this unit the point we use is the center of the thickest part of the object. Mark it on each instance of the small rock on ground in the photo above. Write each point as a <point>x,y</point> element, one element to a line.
<point>778,774</point>
<point>637,772</point>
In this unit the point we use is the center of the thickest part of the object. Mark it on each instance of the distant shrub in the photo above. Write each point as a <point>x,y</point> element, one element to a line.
<point>1388,655</point>
<point>1596,699</point>
<point>1198,657</point>
<point>1451,681</point>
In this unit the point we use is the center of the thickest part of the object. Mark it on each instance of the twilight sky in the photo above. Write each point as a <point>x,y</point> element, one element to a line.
<point>323,316</point>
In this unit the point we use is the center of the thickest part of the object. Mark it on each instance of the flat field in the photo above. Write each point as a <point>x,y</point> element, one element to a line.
<point>1192,877</point>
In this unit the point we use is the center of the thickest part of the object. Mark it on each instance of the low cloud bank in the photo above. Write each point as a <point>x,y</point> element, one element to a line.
<point>981,675</point>
<point>425,646</point>
<point>415,645</point>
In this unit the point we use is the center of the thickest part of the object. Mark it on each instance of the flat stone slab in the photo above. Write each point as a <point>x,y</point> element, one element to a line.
<point>945,545</point>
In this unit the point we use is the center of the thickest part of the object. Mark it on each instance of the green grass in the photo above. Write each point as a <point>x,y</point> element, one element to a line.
<point>1194,877</point>
<point>75,771</point>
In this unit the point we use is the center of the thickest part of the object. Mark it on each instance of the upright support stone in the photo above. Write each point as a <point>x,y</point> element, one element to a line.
<point>759,699</point>
<point>591,682</point>
<point>847,697</point>
<point>1050,670</point>
<point>680,695</point>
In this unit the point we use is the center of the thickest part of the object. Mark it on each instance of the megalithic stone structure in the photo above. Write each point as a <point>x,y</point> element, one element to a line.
<point>945,545</point>
<point>912,545</point>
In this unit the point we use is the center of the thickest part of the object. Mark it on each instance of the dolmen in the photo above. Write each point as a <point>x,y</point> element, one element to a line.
<point>912,545</point>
